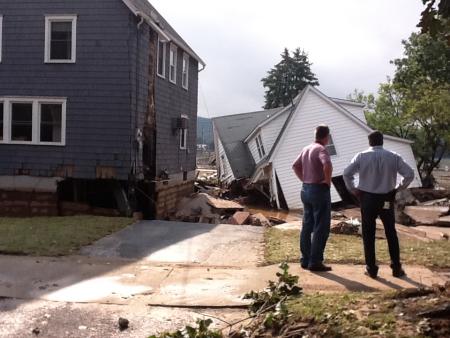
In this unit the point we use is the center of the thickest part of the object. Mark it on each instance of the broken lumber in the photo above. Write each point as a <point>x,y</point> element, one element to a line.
<point>239,218</point>
<point>444,221</point>
<point>426,215</point>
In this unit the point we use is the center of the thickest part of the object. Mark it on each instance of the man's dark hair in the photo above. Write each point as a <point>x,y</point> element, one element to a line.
<point>375,138</point>
<point>322,131</point>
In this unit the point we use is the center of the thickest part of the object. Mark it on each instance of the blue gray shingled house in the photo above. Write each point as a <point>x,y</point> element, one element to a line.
<point>98,107</point>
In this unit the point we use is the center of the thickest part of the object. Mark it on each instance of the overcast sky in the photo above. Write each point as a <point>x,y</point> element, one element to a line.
<point>349,42</point>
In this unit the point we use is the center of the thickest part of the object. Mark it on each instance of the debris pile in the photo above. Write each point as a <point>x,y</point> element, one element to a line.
<point>345,227</point>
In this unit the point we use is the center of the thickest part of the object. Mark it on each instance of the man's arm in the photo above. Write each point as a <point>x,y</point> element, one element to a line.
<point>407,173</point>
<point>325,159</point>
<point>349,174</point>
<point>298,167</point>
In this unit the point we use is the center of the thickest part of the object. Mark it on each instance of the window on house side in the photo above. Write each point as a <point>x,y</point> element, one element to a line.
<point>22,122</point>
<point>51,122</point>
<point>223,166</point>
<point>260,146</point>
<point>60,39</point>
<point>2,116</point>
<point>183,138</point>
<point>185,73</point>
<point>331,148</point>
<point>161,66</point>
<point>173,64</point>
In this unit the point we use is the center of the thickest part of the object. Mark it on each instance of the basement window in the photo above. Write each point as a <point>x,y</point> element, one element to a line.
<point>331,147</point>
<point>260,146</point>
<point>161,66</point>
<point>185,72</point>
<point>60,38</point>
<point>173,64</point>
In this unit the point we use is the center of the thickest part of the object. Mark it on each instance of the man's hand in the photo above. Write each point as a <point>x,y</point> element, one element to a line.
<point>357,193</point>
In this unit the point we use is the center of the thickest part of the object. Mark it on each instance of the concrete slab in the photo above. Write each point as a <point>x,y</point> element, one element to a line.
<point>178,242</point>
<point>126,282</point>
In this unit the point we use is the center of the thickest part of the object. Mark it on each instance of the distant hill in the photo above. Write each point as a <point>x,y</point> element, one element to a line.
<point>205,132</point>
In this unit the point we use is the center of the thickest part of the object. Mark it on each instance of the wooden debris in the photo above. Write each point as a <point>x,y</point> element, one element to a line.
<point>444,221</point>
<point>224,204</point>
<point>438,202</point>
<point>442,312</point>
<point>239,218</point>
<point>426,215</point>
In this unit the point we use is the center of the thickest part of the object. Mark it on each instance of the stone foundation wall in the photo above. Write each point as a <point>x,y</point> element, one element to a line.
<point>28,204</point>
<point>168,197</point>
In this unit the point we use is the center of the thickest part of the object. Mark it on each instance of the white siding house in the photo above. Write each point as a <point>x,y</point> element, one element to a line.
<point>285,133</point>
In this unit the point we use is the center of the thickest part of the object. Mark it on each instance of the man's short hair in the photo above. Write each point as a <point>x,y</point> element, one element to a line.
<point>375,138</point>
<point>322,131</point>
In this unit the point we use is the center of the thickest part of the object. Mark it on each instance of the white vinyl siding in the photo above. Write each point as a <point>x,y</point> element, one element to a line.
<point>225,172</point>
<point>60,39</point>
<point>355,110</point>
<point>349,137</point>
<point>33,121</point>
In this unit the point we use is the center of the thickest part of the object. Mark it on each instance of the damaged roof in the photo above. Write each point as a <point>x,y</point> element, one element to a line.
<point>232,130</point>
<point>151,15</point>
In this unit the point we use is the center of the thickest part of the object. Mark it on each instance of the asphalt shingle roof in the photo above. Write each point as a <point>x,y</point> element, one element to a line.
<point>232,130</point>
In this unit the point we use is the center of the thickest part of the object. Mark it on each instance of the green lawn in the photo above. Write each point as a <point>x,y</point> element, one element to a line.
<point>55,236</point>
<point>346,249</point>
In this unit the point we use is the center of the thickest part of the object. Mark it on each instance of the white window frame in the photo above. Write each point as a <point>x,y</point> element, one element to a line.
<point>260,146</point>
<point>185,70</point>
<point>183,135</point>
<point>60,18</point>
<point>164,51</point>
<point>1,37</point>
<point>36,103</point>
<point>173,49</point>
<point>331,145</point>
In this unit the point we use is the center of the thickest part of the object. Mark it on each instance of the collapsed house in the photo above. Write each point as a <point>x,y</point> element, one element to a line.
<point>98,108</point>
<point>259,148</point>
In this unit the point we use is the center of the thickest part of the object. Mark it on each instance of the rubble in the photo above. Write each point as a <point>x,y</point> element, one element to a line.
<point>259,220</point>
<point>239,218</point>
<point>426,215</point>
<point>123,323</point>
<point>347,227</point>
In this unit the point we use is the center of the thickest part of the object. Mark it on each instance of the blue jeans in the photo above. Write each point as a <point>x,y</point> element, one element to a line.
<point>316,200</point>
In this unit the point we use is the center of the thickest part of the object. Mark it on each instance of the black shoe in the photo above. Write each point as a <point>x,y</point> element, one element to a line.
<point>304,266</point>
<point>398,272</point>
<point>319,268</point>
<point>372,273</point>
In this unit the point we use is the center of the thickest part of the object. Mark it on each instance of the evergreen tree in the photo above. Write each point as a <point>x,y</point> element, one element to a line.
<point>288,78</point>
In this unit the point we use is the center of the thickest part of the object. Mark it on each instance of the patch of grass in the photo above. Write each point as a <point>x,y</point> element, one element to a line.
<point>55,236</point>
<point>349,315</point>
<point>345,249</point>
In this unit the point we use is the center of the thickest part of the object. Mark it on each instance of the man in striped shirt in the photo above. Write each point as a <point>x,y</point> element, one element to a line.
<point>378,169</point>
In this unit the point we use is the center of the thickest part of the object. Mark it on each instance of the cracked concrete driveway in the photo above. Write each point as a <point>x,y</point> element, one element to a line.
<point>156,274</point>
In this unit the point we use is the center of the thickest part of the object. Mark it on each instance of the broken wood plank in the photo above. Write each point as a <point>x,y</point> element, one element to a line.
<point>426,215</point>
<point>438,202</point>
<point>224,204</point>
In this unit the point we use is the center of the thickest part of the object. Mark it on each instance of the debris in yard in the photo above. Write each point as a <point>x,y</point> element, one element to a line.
<point>259,220</point>
<point>82,327</point>
<point>239,218</point>
<point>123,323</point>
<point>443,312</point>
<point>348,227</point>
<point>426,215</point>
<point>36,331</point>
<point>444,221</point>
<point>438,202</point>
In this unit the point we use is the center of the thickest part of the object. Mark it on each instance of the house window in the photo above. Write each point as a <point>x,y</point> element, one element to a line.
<point>50,122</point>
<point>161,66</point>
<point>32,121</point>
<point>330,147</point>
<point>185,73</point>
<point>60,39</point>
<point>173,64</point>
<point>260,146</point>
<point>22,122</point>
<point>183,138</point>
<point>223,166</point>
<point>1,36</point>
